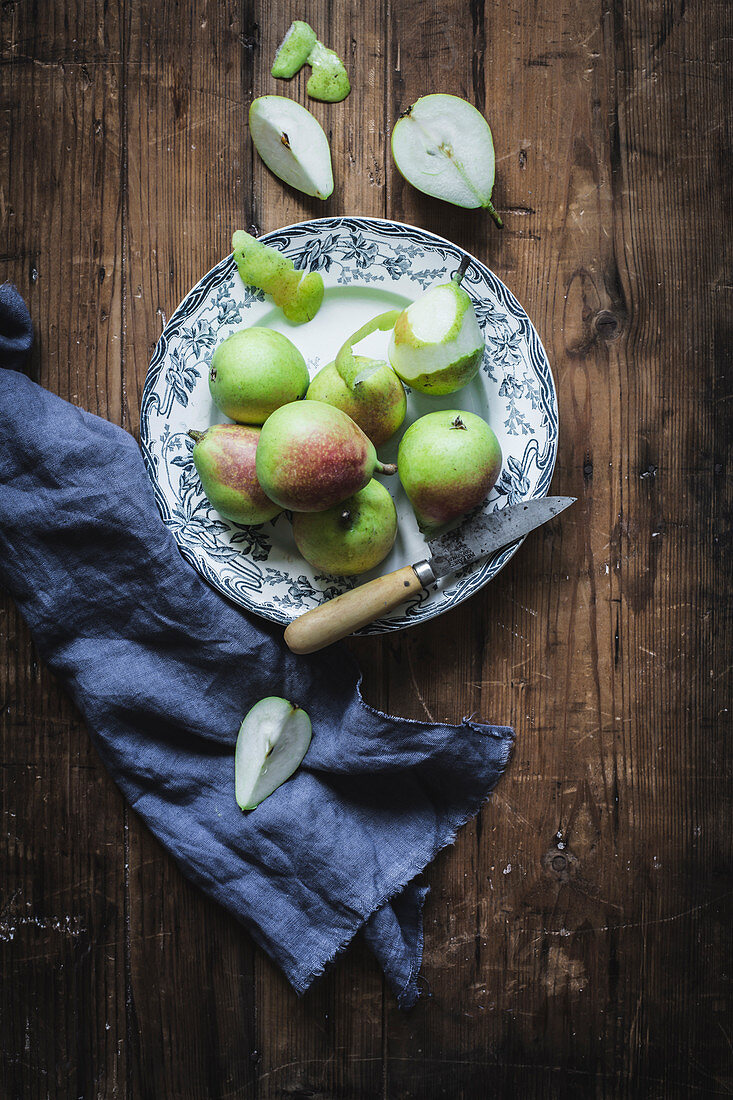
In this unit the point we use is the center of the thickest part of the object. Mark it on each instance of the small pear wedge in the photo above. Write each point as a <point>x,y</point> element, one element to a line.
<point>272,741</point>
<point>292,144</point>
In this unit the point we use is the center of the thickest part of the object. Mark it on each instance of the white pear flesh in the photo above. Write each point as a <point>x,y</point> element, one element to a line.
<point>443,146</point>
<point>437,346</point>
<point>272,740</point>
<point>292,144</point>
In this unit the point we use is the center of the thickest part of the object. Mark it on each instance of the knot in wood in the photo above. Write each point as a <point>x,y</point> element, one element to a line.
<point>606,324</point>
<point>560,863</point>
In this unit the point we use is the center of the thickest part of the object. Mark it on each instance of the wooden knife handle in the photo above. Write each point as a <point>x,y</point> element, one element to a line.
<point>346,613</point>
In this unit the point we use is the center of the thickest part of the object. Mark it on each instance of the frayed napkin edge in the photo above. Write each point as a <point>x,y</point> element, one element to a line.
<point>409,993</point>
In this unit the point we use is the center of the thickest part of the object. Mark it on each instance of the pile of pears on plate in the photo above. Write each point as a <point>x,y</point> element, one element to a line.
<point>308,447</point>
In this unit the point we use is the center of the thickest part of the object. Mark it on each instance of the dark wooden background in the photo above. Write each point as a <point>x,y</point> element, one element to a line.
<point>577,934</point>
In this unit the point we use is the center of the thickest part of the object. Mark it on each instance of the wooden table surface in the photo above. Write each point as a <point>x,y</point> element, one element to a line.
<point>577,934</point>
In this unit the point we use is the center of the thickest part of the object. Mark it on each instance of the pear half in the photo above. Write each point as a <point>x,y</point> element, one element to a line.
<point>272,740</point>
<point>436,345</point>
<point>292,144</point>
<point>443,146</point>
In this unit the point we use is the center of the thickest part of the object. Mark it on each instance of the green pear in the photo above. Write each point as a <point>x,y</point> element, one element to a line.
<point>298,293</point>
<point>312,455</point>
<point>443,146</point>
<point>351,537</point>
<point>292,144</point>
<point>436,345</point>
<point>448,462</point>
<point>272,741</point>
<point>377,404</point>
<point>224,456</point>
<point>255,371</point>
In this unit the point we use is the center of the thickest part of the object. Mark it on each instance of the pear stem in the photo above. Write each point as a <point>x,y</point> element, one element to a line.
<point>462,269</point>
<point>196,436</point>
<point>386,468</point>
<point>494,214</point>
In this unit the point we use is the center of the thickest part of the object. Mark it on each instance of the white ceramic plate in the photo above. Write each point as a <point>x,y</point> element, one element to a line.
<point>368,266</point>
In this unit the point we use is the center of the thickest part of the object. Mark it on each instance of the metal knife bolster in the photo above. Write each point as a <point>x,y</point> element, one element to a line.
<point>425,573</point>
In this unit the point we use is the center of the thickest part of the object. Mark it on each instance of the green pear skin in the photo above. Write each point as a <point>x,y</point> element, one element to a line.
<point>378,404</point>
<point>448,462</point>
<point>351,537</point>
<point>312,455</point>
<point>255,371</point>
<point>224,456</point>
<point>436,345</point>
<point>293,51</point>
<point>298,293</point>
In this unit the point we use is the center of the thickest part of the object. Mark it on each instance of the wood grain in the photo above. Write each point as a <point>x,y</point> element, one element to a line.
<point>577,933</point>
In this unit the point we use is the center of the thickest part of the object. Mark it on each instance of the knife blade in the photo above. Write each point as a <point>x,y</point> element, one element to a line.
<point>487,532</point>
<point>450,550</point>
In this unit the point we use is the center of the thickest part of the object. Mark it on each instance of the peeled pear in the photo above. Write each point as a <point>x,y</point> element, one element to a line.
<point>272,741</point>
<point>298,293</point>
<point>443,146</point>
<point>292,144</point>
<point>436,345</point>
<point>312,455</point>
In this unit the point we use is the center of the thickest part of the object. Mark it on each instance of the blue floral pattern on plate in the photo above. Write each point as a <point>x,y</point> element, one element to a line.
<point>380,264</point>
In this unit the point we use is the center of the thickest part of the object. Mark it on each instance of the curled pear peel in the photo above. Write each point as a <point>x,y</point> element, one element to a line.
<point>329,80</point>
<point>294,49</point>
<point>298,293</point>
<point>351,367</point>
<point>444,147</point>
<point>272,741</point>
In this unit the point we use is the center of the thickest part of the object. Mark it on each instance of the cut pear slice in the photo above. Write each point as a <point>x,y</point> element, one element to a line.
<point>292,144</point>
<point>273,739</point>
<point>443,147</point>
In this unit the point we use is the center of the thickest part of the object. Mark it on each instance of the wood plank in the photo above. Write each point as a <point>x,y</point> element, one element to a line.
<point>548,910</point>
<point>330,1042</point>
<point>187,178</point>
<point>62,905</point>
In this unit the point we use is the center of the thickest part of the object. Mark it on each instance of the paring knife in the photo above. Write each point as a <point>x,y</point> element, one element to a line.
<point>452,550</point>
